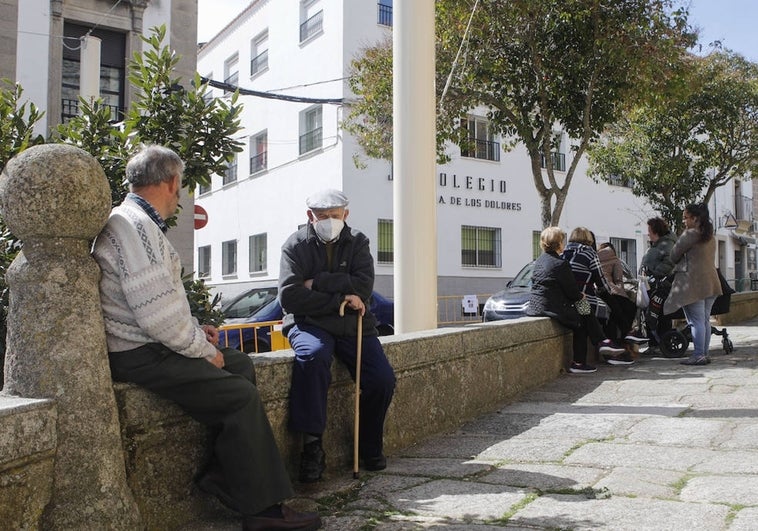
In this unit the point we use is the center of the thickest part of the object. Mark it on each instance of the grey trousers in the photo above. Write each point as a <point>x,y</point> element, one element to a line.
<point>226,400</point>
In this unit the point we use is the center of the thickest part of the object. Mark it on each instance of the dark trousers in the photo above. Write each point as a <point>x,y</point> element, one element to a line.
<point>312,375</point>
<point>623,311</point>
<point>588,327</point>
<point>227,401</point>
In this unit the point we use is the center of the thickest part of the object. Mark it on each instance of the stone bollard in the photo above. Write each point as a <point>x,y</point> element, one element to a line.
<point>55,198</point>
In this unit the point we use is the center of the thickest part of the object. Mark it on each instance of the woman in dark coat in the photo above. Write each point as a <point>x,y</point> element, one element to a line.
<point>554,292</point>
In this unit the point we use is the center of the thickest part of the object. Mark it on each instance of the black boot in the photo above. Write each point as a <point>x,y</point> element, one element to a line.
<point>312,462</point>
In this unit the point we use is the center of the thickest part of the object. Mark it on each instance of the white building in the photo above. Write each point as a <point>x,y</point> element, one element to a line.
<point>488,210</point>
<point>42,51</point>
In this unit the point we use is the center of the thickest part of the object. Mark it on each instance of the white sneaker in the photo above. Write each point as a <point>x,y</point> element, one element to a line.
<point>607,346</point>
<point>636,337</point>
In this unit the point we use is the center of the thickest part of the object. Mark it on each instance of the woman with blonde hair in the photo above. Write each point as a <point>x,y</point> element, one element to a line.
<point>554,293</point>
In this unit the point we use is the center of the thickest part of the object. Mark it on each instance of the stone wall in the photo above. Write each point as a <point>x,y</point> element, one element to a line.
<point>445,377</point>
<point>744,306</point>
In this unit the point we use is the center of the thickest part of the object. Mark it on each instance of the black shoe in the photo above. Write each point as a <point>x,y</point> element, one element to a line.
<point>696,360</point>
<point>374,464</point>
<point>312,462</point>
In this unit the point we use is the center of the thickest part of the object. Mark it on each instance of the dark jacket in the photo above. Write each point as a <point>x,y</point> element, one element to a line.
<point>304,257</point>
<point>657,260</point>
<point>554,290</point>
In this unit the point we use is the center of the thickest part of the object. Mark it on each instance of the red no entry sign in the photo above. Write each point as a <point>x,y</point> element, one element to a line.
<point>201,217</point>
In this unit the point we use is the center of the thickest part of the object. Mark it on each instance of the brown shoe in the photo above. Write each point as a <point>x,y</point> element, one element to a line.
<point>289,520</point>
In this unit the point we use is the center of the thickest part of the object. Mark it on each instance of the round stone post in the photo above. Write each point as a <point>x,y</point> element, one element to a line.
<point>55,198</point>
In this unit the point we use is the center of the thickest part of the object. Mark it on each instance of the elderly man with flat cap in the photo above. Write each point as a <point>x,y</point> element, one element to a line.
<point>323,265</point>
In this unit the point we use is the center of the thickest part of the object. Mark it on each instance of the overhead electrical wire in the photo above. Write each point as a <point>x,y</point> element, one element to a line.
<point>260,94</point>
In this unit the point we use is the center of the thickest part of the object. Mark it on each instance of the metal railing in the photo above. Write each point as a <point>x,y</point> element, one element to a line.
<point>312,26</point>
<point>259,63</point>
<point>559,161</point>
<point>482,149</point>
<point>230,174</point>
<point>258,162</point>
<point>310,140</point>
<point>384,15</point>
<point>70,109</point>
<point>450,310</point>
<point>272,329</point>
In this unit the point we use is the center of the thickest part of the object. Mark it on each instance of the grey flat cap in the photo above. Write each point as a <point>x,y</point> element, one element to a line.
<point>326,199</point>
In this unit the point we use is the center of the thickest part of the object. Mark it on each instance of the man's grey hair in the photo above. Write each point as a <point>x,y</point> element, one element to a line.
<point>153,165</point>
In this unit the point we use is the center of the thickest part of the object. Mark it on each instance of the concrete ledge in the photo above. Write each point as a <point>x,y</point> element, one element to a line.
<point>445,377</point>
<point>27,453</point>
<point>743,307</point>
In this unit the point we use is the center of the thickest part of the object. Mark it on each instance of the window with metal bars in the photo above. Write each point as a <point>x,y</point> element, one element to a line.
<point>229,257</point>
<point>204,261</point>
<point>258,261</point>
<point>385,239</point>
<point>480,246</point>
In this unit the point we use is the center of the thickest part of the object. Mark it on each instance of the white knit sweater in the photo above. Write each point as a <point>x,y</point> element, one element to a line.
<point>141,288</point>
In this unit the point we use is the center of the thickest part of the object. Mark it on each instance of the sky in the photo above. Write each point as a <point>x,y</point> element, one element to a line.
<point>733,22</point>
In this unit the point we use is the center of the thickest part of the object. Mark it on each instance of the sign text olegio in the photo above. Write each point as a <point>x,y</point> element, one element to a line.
<point>479,184</point>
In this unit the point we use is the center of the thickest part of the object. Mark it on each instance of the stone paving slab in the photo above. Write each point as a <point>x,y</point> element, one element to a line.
<point>653,446</point>
<point>619,514</point>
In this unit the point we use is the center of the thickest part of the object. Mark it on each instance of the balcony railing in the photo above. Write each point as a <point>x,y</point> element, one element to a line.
<point>482,149</point>
<point>384,15</point>
<point>558,159</point>
<point>312,26</point>
<point>258,162</point>
<point>743,207</point>
<point>70,109</point>
<point>230,174</point>
<point>310,140</point>
<point>232,79</point>
<point>259,63</point>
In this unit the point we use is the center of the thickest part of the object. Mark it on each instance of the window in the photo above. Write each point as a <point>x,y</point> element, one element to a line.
<point>480,246</point>
<point>204,261</point>
<point>311,20</point>
<point>385,251</point>
<point>208,96</point>
<point>112,70</point>
<point>480,143</point>
<point>231,72</point>
<point>536,249</point>
<point>557,157</point>
<point>620,180</point>
<point>384,15</point>
<point>203,189</point>
<point>310,129</point>
<point>229,258</point>
<point>258,152</point>
<point>259,54</point>
<point>230,174</point>
<point>258,261</point>
<point>626,250</point>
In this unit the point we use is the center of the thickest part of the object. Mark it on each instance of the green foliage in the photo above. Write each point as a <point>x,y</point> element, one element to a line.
<point>17,122</point>
<point>534,65</point>
<point>203,307</point>
<point>679,150</point>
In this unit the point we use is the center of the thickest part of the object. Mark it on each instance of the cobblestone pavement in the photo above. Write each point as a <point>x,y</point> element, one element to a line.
<point>656,445</point>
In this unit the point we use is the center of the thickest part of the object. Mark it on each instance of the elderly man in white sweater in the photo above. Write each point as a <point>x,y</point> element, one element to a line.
<point>154,342</point>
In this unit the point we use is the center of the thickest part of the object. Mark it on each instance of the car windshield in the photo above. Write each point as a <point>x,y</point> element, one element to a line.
<point>524,277</point>
<point>250,302</point>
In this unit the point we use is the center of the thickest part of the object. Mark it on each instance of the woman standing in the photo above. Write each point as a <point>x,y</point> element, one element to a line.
<point>696,282</point>
<point>554,292</point>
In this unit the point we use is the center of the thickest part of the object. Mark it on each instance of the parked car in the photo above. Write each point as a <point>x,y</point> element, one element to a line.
<point>247,303</point>
<point>512,302</point>
<point>382,308</point>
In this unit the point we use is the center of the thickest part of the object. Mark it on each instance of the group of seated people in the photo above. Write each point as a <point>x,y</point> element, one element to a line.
<point>580,285</point>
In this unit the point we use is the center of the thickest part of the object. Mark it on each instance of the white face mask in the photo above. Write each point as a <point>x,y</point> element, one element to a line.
<point>328,229</point>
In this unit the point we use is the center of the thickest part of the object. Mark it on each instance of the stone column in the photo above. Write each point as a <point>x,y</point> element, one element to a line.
<point>56,198</point>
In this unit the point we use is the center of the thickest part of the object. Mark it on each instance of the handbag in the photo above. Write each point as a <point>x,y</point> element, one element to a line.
<point>643,298</point>
<point>583,306</point>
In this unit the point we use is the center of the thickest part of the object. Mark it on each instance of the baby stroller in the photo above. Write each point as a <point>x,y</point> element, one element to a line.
<point>673,343</point>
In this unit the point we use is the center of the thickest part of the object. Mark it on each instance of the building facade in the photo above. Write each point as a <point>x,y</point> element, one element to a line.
<point>42,41</point>
<point>488,211</point>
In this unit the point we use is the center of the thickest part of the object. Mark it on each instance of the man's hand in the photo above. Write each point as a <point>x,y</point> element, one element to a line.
<point>211,334</point>
<point>308,283</point>
<point>218,361</point>
<point>354,302</point>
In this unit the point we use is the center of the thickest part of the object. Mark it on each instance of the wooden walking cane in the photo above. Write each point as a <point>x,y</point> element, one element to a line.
<point>356,419</point>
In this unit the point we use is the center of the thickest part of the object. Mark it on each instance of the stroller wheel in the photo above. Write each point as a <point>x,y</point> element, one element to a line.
<point>727,344</point>
<point>674,344</point>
